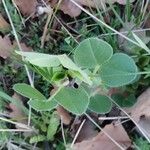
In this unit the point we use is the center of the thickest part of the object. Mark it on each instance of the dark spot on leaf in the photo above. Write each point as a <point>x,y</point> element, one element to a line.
<point>75,85</point>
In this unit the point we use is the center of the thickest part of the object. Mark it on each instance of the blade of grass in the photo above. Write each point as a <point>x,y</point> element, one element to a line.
<point>24,126</point>
<point>106,25</point>
<point>128,11</point>
<point>143,45</point>
<point>20,48</point>
<point>78,131</point>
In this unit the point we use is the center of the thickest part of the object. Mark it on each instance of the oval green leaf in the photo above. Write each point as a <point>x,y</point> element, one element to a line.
<point>28,91</point>
<point>74,100</point>
<point>92,52</point>
<point>100,104</point>
<point>41,60</point>
<point>118,71</point>
<point>124,101</point>
<point>42,105</point>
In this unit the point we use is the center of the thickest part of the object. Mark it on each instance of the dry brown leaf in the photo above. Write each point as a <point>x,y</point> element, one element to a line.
<point>72,10</point>
<point>5,47</point>
<point>27,7</point>
<point>140,112</point>
<point>100,3</point>
<point>144,123</point>
<point>64,115</point>
<point>16,113</point>
<point>4,25</point>
<point>147,23</point>
<point>87,132</point>
<point>69,8</point>
<point>24,47</point>
<point>95,3</point>
<point>142,107</point>
<point>101,141</point>
<point>123,2</point>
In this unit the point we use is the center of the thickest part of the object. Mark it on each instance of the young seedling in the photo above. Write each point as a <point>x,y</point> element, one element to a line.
<point>94,66</point>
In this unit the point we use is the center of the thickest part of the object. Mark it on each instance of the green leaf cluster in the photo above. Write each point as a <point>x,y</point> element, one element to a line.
<point>94,65</point>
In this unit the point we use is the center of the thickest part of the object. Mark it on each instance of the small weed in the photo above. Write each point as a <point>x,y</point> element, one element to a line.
<point>77,51</point>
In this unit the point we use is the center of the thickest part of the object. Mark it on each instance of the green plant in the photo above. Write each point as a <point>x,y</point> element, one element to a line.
<point>141,144</point>
<point>94,65</point>
<point>51,130</point>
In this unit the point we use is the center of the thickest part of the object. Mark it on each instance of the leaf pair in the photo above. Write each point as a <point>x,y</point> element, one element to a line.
<point>37,100</point>
<point>114,70</point>
<point>74,100</point>
<point>46,60</point>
